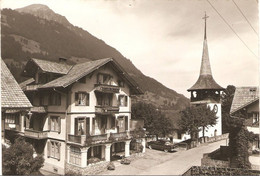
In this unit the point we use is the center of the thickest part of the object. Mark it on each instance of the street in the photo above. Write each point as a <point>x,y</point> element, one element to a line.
<point>157,162</point>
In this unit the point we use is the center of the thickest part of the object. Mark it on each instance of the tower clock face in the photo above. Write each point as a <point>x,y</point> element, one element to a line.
<point>215,108</point>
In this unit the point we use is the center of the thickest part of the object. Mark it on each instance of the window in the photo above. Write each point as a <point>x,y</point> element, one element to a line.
<point>104,78</point>
<point>55,123</point>
<point>82,126</point>
<point>42,99</point>
<point>12,118</point>
<point>121,83</point>
<point>82,99</point>
<point>122,100</point>
<point>54,149</point>
<point>255,117</point>
<point>55,99</point>
<point>104,99</point>
<point>75,155</point>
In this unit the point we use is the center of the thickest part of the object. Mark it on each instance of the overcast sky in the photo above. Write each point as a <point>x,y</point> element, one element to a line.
<point>164,38</point>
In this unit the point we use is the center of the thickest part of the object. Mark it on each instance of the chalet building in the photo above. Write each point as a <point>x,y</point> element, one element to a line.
<point>14,105</point>
<point>81,113</point>
<point>207,91</point>
<point>246,101</point>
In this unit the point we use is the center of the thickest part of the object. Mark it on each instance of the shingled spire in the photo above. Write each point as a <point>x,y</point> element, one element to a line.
<point>205,81</point>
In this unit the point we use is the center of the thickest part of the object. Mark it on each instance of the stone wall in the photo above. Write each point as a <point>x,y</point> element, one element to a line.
<point>202,170</point>
<point>89,170</point>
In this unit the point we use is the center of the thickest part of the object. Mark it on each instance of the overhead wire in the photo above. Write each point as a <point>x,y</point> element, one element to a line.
<point>244,16</point>
<point>232,29</point>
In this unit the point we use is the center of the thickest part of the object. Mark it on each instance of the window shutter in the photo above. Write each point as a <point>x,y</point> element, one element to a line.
<point>58,152</point>
<point>48,148</point>
<point>59,124</point>
<point>125,100</point>
<point>76,98</point>
<point>76,126</point>
<point>49,123</point>
<point>87,99</point>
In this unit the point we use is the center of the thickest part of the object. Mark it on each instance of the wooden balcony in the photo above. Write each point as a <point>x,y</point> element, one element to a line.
<point>32,87</point>
<point>12,127</point>
<point>107,88</point>
<point>103,110</point>
<point>39,109</point>
<point>36,134</point>
<point>77,139</point>
<point>119,136</point>
<point>88,140</point>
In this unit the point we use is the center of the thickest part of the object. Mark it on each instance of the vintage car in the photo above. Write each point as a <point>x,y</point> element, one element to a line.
<point>164,145</point>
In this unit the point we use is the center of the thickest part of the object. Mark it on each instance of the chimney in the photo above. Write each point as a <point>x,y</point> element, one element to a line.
<point>62,60</point>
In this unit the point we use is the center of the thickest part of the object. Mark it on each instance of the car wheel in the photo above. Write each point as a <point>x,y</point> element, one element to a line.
<point>165,150</point>
<point>150,147</point>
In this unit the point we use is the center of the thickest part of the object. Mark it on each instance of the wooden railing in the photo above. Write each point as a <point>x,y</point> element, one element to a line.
<point>118,136</point>
<point>39,109</point>
<point>14,127</point>
<point>32,87</point>
<point>106,109</point>
<point>36,134</point>
<point>107,88</point>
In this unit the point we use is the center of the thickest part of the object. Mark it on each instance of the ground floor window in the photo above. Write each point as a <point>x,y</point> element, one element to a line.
<point>75,155</point>
<point>54,149</point>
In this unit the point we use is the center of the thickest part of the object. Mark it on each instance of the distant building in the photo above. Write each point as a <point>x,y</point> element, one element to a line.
<point>207,91</point>
<point>81,113</point>
<point>246,101</point>
<point>14,105</point>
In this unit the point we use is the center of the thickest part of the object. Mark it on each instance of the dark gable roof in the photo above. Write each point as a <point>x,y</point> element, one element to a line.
<point>52,67</point>
<point>80,70</point>
<point>243,97</point>
<point>12,95</point>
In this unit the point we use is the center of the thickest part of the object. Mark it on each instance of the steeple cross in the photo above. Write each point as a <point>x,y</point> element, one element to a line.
<point>205,33</point>
<point>205,17</point>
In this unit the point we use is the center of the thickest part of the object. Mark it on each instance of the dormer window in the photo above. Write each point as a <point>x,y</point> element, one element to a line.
<point>103,78</point>
<point>82,99</point>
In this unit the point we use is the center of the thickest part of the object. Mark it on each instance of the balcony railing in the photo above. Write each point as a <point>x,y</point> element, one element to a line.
<point>118,136</point>
<point>77,139</point>
<point>87,140</point>
<point>39,109</point>
<point>13,127</point>
<point>32,87</point>
<point>107,88</point>
<point>35,134</point>
<point>106,109</point>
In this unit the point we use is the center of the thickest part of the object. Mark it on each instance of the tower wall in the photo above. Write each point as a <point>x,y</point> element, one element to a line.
<point>210,132</point>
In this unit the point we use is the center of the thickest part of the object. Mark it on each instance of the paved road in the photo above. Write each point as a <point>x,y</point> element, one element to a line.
<point>160,163</point>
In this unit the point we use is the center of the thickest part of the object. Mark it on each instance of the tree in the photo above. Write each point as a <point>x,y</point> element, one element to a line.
<point>194,117</point>
<point>18,159</point>
<point>207,118</point>
<point>155,121</point>
<point>226,102</point>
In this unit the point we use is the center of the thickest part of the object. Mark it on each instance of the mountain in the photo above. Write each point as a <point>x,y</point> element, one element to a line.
<point>36,31</point>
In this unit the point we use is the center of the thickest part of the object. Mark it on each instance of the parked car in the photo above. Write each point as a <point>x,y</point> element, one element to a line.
<point>164,145</point>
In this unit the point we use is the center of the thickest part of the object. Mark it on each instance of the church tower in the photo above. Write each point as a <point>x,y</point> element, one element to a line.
<point>206,90</point>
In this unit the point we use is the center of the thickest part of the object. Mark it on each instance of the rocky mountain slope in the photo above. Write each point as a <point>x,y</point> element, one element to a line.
<point>36,31</point>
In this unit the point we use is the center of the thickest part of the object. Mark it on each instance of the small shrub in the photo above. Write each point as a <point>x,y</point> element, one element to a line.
<point>111,166</point>
<point>125,161</point>
<point>93,160</point>
<point>72,173</point>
